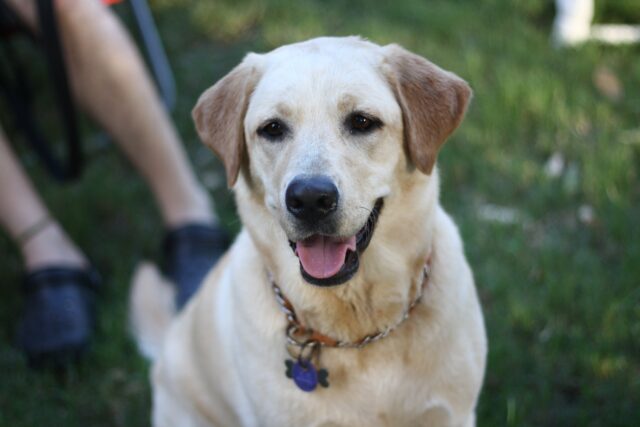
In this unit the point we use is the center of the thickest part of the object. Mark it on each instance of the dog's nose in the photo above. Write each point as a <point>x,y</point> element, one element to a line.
<point>311,198</point>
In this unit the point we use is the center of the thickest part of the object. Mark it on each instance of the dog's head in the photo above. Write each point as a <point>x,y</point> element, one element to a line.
<point>324,133</point>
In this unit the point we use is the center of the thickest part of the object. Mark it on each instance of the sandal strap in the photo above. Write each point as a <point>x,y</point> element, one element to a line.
<point>189,253</point>
<point>191,240</point>
<point>59,276</point>
<point>194,234</point>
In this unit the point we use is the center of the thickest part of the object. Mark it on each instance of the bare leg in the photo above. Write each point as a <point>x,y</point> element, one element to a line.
<point>21,211</point>
<point>110,81</point>
<point>57,315</point>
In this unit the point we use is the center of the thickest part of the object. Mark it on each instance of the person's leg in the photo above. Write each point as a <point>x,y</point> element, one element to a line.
<point>40,238</point>
<point>58,311</point>
<point>109,79</point>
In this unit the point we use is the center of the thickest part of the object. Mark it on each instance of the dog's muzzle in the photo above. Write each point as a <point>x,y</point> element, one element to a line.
<point>327,260</point>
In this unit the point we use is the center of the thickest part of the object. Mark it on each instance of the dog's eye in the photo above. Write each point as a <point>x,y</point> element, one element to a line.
<point>273,130</point>
<point>359,123</point>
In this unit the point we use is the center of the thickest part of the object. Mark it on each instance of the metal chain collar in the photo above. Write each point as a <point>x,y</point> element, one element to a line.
<point>294,326</point>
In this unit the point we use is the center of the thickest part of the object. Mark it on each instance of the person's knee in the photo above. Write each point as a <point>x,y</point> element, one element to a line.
<point>88,10</point>
<point>26,9</point>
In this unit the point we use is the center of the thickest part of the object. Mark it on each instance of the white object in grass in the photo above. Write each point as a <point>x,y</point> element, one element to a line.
<point>572,26</point>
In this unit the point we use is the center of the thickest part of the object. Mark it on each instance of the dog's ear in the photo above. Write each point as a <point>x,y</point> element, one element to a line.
<point>219,115</point>
<point>433,103</point>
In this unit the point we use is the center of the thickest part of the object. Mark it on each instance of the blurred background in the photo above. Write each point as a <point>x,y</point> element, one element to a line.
<point>542,179</point>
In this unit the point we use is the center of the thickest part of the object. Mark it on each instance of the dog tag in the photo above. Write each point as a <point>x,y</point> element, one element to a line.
<point>305,375</point>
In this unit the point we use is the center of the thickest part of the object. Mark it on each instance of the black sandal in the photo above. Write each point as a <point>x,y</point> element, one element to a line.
<point>58,316</point>
<point>189,252</point>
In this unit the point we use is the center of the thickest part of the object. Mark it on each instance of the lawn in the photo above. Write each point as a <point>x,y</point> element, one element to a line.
<point>542,178</point>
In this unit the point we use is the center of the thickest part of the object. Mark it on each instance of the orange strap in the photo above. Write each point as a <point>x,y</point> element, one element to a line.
<point>111,2</point>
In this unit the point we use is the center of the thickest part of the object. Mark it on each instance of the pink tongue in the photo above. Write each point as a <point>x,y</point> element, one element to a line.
<point>323,256</point>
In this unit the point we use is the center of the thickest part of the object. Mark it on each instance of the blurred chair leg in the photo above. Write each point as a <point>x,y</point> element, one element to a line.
<point>155,52</point>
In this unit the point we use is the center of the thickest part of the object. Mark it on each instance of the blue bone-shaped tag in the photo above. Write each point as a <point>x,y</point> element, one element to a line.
<point>305,375</point>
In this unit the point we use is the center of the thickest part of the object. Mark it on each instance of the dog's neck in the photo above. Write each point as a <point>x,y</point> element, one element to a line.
<point>391,270</point>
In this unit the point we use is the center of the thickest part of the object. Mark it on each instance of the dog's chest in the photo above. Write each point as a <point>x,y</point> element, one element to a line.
<point>365,389</point>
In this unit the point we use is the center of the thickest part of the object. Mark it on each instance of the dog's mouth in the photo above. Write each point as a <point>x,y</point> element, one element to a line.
<point>330,260</point>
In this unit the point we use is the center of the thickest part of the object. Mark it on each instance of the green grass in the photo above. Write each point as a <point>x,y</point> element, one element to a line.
<point>561,296</point>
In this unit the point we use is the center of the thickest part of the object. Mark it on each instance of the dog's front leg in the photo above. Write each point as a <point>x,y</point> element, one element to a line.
<point>471,421</point>
<point>170,410</point>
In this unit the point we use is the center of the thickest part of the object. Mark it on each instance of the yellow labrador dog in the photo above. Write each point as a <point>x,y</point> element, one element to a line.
<point>346,300</point>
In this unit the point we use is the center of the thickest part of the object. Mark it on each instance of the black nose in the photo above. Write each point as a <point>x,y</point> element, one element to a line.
<point>311,198</point>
